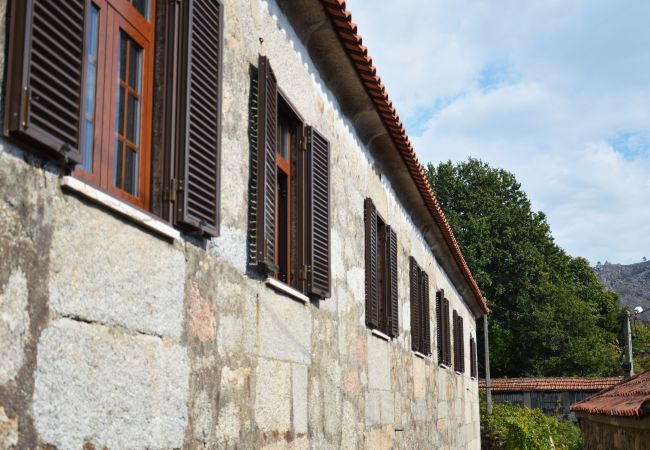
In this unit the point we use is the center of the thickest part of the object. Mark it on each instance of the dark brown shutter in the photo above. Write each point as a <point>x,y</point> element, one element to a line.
<point>440,326</point>
<point>266,166</point>
<point>447,331</point>
<point>424,314</point>
<point>455,325</point>
<point>316,213</point>
<point>391,278</point>
<point>472,357</point>
<point>372,306</point>
<point>461,345</point>
<point>45,74</point>
<point>199,168</point>
<point>415,304</point>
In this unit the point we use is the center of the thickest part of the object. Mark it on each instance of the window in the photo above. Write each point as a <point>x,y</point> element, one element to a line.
<point>381,273</point>
<point>80,88</point>
<point>420,320</point>
<point>472,358</point>
<point>289,196</point>
<point>444,332</point>
<point>459,344</point>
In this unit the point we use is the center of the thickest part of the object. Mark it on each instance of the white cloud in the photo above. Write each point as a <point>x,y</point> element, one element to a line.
<point>555,91</point>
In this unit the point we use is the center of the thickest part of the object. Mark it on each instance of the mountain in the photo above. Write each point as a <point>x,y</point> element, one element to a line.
<point>631,282</point>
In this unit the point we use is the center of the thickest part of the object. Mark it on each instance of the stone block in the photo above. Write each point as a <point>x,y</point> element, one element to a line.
<point>419,377</point>
<point>373,408</point>
<point>228,425</point>
<point>378,363</point>
<point>230,335</point>
<point>8,430</point>
<point>273,396</point>
<point>285,326</point>
<point>420,412</point>
<point>14,325</point>
<point>300,404</point>
<point>387,407</point>
<point>104,270</point>
<point>95,384</point>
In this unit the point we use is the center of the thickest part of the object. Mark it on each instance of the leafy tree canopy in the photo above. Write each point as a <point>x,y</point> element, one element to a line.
<point>550,315</point>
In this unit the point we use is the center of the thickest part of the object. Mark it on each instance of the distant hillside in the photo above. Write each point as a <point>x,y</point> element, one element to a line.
<point>631,282</point>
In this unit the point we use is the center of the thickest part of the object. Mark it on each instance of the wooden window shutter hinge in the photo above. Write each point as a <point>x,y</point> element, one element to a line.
<point>26,106</point>
<point>171,193</point>
<point>304,271</point>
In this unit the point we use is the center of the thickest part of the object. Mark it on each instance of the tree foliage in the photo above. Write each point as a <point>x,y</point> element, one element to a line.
<point>550,315</point>
<point>641,346</point>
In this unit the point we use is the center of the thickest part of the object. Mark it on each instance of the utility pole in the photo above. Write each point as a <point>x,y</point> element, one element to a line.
<point>488,382</point>
<point>628,364</point>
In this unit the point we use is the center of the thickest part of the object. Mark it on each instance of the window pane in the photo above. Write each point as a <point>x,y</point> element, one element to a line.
<point>142,6</point>
<point>91,89</point>
<point>128,115</point>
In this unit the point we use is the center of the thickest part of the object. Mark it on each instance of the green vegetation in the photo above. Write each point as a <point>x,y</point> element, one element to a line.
<point>641,347</point>
<point>550,314</point>
<point>513,428</point>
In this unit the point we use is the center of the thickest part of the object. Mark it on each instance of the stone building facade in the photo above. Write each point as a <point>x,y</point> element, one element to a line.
<point>120,330</point>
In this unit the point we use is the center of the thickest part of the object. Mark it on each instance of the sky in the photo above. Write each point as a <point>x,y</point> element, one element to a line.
<point>555,91</point>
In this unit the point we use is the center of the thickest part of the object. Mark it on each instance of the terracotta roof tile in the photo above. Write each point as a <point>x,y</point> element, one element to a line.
<point>630,398</point>
<point>551,384</point>
<point>341,20</point>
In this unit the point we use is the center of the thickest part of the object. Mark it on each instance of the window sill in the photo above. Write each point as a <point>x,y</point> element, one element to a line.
<point>458,373</point>
<point>130,212</point>
<point>421,355</point>
<point>443,366</point>
<point>287,290</point>
<point>381,335</point>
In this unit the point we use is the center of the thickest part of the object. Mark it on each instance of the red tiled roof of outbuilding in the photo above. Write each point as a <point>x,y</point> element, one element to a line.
<point>353,44</point>
<point>630,398</point>
<point>551,384</point>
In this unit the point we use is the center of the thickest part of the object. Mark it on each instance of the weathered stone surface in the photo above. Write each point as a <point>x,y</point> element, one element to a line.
<point>379,376</point>
<point>127,278</point>
<point>273,396</point>
<point>115,390</point>
<point>8,430</point>
<point>419,378</point>
<point>373,408</point>
<point>284,328</point>
<point>300,406</point>
<point>14,325</point>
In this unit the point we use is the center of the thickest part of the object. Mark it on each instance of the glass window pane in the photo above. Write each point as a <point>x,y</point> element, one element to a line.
<point>142,6</point>
<point>91,90</point>
<point>128,115</point>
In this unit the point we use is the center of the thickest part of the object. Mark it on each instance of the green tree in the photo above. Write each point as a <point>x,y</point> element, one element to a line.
<point>641,346</point>
<point>550,315</point>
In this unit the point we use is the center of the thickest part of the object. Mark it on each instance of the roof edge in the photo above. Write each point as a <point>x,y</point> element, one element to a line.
<point>352,43</point>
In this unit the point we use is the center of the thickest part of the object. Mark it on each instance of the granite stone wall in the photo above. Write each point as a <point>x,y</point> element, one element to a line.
<point>112,336</point>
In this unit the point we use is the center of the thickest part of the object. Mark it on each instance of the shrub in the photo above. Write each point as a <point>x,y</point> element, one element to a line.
<point>514,428</point>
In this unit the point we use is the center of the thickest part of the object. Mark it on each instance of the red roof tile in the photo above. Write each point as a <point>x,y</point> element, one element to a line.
<point>630,398</point>
<point>358,53</point>
<point>551,384</point>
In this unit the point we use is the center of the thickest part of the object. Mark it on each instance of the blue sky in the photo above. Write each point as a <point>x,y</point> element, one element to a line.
<point>556,91</point>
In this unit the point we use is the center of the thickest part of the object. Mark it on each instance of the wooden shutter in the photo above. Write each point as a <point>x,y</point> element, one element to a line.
<point>372,305</point>
<point>392,300</point>
<point>45,74</point>
<point>440,326</point>
<point>197,185</point>
<point>447,333</point>
<point>316,213</point>
<point>416,337</point>
<point>455,325</point>
<point>424,315</point>
<point>266,175</point>
<point>472,357</point>
<point>461,345</point>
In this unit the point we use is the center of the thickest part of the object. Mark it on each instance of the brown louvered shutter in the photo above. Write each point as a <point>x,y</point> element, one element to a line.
<point>440,326</point>
<point>316,213</point>
<point>45,74</point>
<point>415,304</point>
<point>472,357</point>
<point>266,175</point>
<point>455,328</point>
<point>199,168</point>
<point>461,345</point>
<point>370,221</point>
<point>447,331</point>
<point>424,314</point>
<point>392,300</point>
